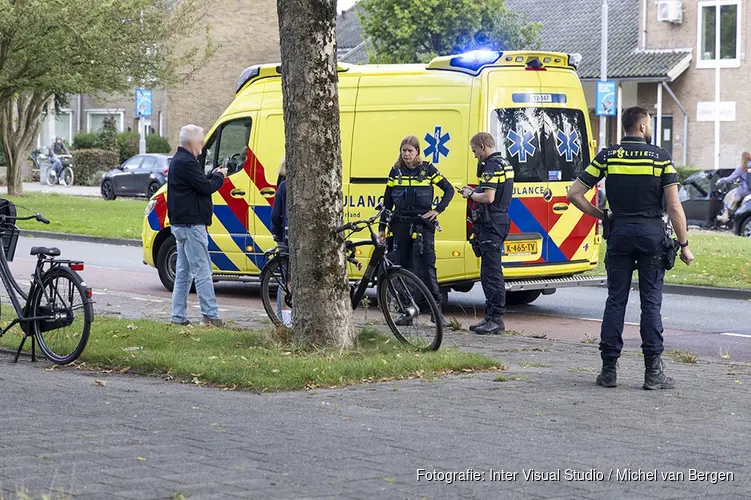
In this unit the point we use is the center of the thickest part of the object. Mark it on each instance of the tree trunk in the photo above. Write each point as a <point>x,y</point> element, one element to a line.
<point>322,308</point>
<point>19,126</point>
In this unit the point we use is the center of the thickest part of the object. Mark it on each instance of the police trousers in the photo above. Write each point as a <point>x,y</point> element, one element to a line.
<point>416,254</point>
<point>633,246</point>
<point>491,235</point>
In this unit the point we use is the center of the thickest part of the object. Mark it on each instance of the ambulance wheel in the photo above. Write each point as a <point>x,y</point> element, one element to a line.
<point>522,298</point>
<point>166,262</point>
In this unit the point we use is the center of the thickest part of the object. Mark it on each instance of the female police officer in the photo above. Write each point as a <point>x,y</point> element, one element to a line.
<point>409,192</point>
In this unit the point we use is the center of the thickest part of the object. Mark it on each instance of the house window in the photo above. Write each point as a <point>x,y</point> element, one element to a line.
<point>729,14</point>
<point>64,125</point>
<point>95,119</point>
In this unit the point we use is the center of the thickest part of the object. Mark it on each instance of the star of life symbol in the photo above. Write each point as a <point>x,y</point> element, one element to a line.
<point>521,143</point>
<point>437,145</point>
<point>568,144</point>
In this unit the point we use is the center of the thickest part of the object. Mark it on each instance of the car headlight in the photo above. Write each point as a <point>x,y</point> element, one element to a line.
<point>150,206</point>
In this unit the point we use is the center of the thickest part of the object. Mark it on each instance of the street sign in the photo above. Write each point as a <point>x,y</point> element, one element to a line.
<point>707,111</point>
<point>606,98</point>
<point>143,102</point>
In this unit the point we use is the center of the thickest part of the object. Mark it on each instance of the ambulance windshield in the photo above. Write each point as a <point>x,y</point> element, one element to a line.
<point>542,144</point>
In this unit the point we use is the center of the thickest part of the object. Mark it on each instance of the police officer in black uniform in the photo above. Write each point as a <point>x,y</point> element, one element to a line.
<point>410,190</point>
<point>492,195</point>
<point>638,177</point>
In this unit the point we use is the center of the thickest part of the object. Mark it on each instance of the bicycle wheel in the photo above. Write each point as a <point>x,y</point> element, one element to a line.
<point>276,294</point>
<point>66,177</point>
<point>63,299</point>
<point>410,310</point>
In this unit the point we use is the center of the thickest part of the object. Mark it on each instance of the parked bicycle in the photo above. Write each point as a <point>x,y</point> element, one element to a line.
<point>57,311</point>
<point>406,303</point>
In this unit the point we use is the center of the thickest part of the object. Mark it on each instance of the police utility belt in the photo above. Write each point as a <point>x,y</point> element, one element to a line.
<point>669,248</point>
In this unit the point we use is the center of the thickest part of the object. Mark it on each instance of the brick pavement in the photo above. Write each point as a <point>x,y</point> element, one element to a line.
<point>145,438</point>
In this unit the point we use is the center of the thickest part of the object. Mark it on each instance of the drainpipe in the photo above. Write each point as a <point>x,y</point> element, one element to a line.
<point>685,122</point>
<point>644,25</point>
<point>80,113</point>
<point>658,128</point>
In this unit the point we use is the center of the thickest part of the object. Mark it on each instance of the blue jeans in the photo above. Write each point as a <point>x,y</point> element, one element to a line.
<point>193,263</point>
<point>57,165</point>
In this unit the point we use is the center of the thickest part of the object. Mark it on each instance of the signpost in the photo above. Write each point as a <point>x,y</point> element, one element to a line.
<point>707,111</point>
<point>606,98</point>
<point>144,105</point>
<point>604,76</point>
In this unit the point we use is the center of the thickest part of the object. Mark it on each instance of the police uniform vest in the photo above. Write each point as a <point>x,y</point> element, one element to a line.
<point>636,173</point>
<point>412,188</point>
<point>496,173</point>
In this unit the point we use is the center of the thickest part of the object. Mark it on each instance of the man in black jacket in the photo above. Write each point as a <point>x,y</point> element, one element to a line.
<point>189,209</point>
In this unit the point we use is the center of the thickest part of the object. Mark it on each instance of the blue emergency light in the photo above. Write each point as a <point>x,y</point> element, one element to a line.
<point>475,59</point>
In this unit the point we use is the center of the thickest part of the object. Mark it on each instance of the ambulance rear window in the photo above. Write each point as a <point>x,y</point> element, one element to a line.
<point>542,144</point>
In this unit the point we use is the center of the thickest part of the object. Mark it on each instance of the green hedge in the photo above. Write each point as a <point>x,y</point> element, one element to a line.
<point>84,140</point>
<point>89,164</point>
<point>128,143</point>
<point>685,172</point>
<point>157,144</point>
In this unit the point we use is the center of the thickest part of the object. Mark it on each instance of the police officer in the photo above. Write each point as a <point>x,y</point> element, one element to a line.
<point>493,195</point>
<point>638,176</point>
<point>410,190</point>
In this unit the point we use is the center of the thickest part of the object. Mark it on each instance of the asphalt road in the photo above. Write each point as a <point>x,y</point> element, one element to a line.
<point>698,323</point>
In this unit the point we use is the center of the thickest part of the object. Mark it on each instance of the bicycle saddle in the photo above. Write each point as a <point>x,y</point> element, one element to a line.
<point>49,252</point>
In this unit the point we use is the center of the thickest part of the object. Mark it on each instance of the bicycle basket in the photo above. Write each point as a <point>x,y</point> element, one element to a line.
<point>8,230</point>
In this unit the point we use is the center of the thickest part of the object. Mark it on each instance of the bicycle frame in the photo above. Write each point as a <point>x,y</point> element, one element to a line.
<point>376,266</point>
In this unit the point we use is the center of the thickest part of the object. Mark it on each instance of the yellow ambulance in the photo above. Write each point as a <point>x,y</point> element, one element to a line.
<point>531,102</point>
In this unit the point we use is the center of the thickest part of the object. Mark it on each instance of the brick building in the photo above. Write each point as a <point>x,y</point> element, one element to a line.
<point>661,53</point>
<point>245,33</point>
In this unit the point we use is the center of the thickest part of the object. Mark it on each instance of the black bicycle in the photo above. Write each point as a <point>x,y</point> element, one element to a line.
<point>408,306</point>
<point>57,311</point>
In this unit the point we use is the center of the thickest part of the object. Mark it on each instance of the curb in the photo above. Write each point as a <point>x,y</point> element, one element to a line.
<point>706,291</point>
<point>81,237</point>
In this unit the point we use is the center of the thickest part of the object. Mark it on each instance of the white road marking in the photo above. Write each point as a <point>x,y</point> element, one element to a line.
<point>737,335</point>
<point>597,320</point>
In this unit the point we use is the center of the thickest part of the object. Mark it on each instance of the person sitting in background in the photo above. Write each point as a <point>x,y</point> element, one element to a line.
<point>742,172</point>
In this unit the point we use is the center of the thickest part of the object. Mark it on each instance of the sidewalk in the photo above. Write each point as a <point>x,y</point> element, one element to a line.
<point>140,437</point>
<point>35,187</point>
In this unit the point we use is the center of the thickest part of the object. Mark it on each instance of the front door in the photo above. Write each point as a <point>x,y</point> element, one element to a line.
<point>229,232</point>
<point>123,180</point>
<point>666,133</point>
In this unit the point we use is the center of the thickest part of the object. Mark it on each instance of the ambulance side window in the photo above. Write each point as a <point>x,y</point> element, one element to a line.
<point>229,146</point>
<point>518,136</point>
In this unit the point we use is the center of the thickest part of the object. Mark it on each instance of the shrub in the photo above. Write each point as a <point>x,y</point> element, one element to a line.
<point>685,172</point>
<point>89,164</point>
<point>157,144</point>
<point>84,140</point>
<point>107,138</point>
<point>128,145</point>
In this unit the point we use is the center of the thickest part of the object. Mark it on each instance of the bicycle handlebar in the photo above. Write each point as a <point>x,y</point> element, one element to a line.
<point>359,225</point>
<point>37,217</point>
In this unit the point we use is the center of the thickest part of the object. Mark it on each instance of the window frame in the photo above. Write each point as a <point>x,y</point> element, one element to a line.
<point>721,63</point>
<point>215,141</point>
<point>138,165</point>
<point>106,112</point>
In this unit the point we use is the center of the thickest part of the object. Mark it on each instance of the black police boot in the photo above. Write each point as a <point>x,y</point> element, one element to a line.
<point>491,327</point>
<point>654,374</point>
<point>608,374</point>
<point>478,325</point>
